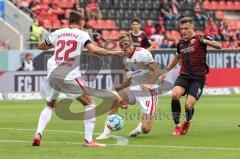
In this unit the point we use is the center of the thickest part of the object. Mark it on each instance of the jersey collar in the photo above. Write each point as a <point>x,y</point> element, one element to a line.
<point>190,38</point>
<point>137,34</point>
<point>134,49</point>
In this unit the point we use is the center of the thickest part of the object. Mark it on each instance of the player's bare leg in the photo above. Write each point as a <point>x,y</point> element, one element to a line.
<point>113,109</point>
<point>89,120</point>
<point>143,127</point>
<point>189,107</point>
<point>44,118</point>
<point>177,93</point>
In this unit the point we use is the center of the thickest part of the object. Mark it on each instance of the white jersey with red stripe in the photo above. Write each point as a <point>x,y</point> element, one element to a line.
<point>136,65</point>
<point>65,62</point>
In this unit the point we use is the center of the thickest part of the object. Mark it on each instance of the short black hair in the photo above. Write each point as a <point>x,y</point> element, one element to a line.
<point>75,17</point>
<point>136,20</point>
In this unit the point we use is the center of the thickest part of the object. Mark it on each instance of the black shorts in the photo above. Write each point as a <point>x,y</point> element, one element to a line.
<point>193,84</point>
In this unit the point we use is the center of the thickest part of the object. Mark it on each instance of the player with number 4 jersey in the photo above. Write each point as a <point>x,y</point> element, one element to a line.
<point>142,74</point>
<point>64,75</point>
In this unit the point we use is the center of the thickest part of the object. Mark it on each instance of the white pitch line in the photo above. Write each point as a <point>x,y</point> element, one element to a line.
<point>120,140</point>
<point>152,146</point>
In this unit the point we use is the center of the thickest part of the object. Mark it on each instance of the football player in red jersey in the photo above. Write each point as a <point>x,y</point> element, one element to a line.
<point>139,37</point>
<point>191,52</point>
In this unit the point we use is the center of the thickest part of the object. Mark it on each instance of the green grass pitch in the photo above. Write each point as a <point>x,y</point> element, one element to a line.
<point>213,134</point>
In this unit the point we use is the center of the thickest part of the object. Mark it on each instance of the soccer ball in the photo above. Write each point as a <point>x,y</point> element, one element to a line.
<point>114,122</point>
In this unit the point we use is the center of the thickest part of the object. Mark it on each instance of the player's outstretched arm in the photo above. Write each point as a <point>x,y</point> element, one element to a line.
<point>43,46</point>
<point>174,62</point>
<point>156,74</point>
<point>171,65</point>
<point>127,82</point>
<point>101,51</point>
<point>209,41</point>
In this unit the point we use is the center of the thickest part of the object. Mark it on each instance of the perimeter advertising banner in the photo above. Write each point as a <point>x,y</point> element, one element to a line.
<point>104,72</point>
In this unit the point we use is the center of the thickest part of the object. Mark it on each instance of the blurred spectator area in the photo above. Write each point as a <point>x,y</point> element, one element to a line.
<point>2,46</point>
<point>116,16</point>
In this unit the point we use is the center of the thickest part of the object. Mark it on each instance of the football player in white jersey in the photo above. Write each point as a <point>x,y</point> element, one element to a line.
<point>64,74</point>
<point>141,77</point>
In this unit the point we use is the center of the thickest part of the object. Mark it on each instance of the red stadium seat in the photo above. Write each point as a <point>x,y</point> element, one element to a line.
<point>101,24</point>
<point>123,31</point>
<point>237,5</point>
<point>220,14</point>
<point>214,5</point>
<point>229,5</point>
<point>110,24</point>
<point>206,5</point>
<point>106,34</point>
<point>114,34</point>
<point>221,5</point>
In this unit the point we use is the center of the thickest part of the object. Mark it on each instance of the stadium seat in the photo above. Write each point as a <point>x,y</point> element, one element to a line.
<point>114,34</point>
<point>149,5</point>
<point>206,5</point>
<point>237,5</point>
<point>123,31</point>
<point>222,5</point>
<point>229,5</point>
<point>106,34</point>
<point>110,24</point>
<point>124,4</point>
<point>220,14</point>
<point>214,5</point>
<point>101,24</point>
<point>111,14</point>
<point>125,24</point>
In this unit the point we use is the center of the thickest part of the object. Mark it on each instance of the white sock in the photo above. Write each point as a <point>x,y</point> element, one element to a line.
<point>139,127</point>
<point>89,121</point>
<point>44,118</point>
<point>106,129</point>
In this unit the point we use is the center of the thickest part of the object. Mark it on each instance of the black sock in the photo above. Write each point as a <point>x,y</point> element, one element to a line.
<point>189,114</point>
<point>176,111</point>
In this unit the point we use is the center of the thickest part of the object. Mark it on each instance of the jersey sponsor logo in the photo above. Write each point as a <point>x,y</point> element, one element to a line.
<point>193,41</point>
<point>188,49</point>
<point>139,39</point>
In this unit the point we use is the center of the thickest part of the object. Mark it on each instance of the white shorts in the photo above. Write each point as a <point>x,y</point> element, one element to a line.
<point>71,88</point>
<point>146,98</point>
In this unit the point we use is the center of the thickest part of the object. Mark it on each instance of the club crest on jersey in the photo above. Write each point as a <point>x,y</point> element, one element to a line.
<point>192,41</point>
<point>139,39</point>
